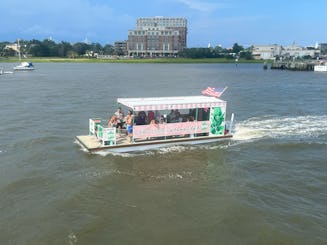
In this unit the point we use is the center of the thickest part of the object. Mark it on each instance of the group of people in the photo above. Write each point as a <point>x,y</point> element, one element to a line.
<point>155,118</point>
<point>174,116</point>
<point>119,121</point>
<point>150,118</point>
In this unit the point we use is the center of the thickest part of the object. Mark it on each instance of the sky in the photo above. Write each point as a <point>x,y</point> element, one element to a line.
<point>218,22</point>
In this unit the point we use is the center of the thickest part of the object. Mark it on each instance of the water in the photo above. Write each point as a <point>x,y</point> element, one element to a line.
<point>267,186</point>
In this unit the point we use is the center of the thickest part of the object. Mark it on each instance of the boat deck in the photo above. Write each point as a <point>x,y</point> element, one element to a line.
<point>91,142</point>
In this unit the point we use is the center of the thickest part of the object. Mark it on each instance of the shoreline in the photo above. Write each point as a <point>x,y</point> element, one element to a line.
<point>136,61</point>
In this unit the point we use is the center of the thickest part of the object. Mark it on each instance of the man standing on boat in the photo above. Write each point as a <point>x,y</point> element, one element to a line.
<point>129,125</point>
<point>120,120</point>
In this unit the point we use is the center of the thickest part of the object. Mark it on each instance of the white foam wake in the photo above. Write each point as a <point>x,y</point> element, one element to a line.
<point>276,127</point>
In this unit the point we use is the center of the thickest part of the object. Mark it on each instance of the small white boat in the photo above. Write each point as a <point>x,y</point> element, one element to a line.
<point>321,67</point>
<point>200,119</point>
<point>24,66</point>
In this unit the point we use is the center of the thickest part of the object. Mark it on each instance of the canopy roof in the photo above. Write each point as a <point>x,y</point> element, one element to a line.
<point>166,103</point>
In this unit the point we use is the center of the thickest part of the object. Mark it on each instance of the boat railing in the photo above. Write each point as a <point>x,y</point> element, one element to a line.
<point>98,128</point>
<point>158,131</point>
<point>93,122</point>
<point>183,129</point>
<point>229,125</point>
<point>107,136</point>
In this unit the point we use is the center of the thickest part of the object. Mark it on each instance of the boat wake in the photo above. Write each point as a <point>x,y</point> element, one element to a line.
<point>300,127</point>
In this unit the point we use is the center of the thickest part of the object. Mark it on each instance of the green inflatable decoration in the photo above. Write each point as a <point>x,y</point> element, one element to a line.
<point>217,120</point>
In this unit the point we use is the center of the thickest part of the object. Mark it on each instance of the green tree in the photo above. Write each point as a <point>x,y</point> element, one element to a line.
<point>72,54</point>
<point>237,48</point>
<point>246,55</point>
<point>108,49</point>
<point>37,48</point>
<point>81,48</point>
<point>64,48</point>
<point>197,53</point>
<point>52,48</point>
<point>96,48</point>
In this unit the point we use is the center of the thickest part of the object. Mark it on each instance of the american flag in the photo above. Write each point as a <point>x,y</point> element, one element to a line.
<point>215,92</point>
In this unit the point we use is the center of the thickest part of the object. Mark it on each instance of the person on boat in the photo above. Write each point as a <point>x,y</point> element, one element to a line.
<point>120,120</point>
<point>129,125</point>
<point>113,122</point>
<point>157,116</point>
<point>141,119</point>
<point>190,119</point>
<point>151,116</point>
<point>171,116</point>
<point>177,115</point>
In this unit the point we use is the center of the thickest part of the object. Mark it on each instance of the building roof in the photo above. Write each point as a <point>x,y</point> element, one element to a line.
<point>167,103</point>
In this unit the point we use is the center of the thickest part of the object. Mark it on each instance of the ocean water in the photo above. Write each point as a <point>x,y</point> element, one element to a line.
<point>268,185</point>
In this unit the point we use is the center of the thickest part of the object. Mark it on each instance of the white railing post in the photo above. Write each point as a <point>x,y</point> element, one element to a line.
<point>231,123</point>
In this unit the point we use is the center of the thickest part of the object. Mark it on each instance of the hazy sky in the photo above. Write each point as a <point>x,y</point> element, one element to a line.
<point>217,22</point>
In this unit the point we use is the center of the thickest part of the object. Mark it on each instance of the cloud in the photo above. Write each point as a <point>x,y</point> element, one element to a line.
<point>36,29</point>
<point>242,19</point>
<point>201,5</point>
<point>71,20</point>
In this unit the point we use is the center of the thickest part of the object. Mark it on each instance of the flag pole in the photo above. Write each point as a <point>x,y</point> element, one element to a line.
<point>224,90</point>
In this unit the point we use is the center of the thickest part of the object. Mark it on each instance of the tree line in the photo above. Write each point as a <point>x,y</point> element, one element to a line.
<point>237,51</point>
<point>49,48</point>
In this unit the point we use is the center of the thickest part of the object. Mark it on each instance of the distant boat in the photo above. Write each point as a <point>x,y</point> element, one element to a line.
<point>321,67</point>
<point>24,66</point>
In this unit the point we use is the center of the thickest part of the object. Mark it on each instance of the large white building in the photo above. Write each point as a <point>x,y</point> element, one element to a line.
<point>298,51</point>
<point>157,36</point>
<point>266,52</point>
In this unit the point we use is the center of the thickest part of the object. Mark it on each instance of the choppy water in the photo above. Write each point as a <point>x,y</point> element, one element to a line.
<point>266,186</point>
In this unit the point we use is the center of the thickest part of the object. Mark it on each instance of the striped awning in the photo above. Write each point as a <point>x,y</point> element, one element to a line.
<point>168,103</point>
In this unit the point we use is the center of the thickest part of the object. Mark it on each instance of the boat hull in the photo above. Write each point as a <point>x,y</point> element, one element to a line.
<point>321,68</point>
<point>91,144</point>
<point>23,69</point>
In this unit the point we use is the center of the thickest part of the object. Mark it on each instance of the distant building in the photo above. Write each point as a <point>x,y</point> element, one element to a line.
<point>157,36</point>
<point>13,47</point>
<point>120,47</point>
<point>266,52</point>
<point>298,51</point>
<point>323,48</point>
